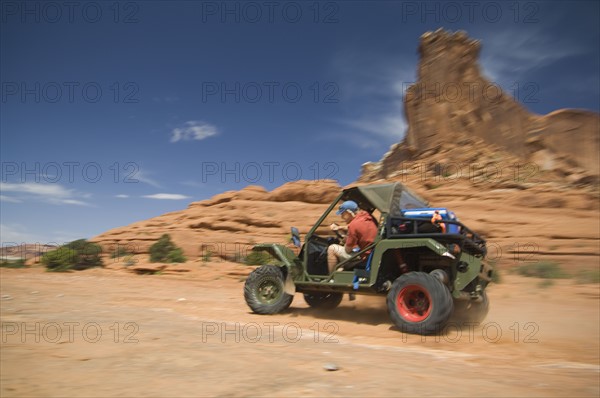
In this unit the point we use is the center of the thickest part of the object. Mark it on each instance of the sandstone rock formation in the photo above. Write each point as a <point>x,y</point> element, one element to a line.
<point>523,217</point>
<point>453,101</point>
<point>229,224</point>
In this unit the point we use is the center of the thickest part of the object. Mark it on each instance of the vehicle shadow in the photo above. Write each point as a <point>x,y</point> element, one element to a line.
<point>366,315</point>
<point>375,315</point>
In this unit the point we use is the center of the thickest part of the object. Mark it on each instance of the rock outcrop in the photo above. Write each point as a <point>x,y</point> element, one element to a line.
<point>229,224</point>
<point>453,101</point>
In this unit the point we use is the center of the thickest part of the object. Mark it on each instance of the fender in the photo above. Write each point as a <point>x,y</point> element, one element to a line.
<point>462,279</point>
<point>287,259</point>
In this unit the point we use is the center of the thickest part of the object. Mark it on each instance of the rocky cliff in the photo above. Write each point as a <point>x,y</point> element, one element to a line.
<point>453,101</point>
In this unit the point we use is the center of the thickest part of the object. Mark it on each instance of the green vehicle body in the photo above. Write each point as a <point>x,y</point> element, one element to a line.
<point>456,260</point>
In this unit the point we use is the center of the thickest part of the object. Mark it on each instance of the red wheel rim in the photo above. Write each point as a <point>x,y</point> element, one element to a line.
<point>414,303</point>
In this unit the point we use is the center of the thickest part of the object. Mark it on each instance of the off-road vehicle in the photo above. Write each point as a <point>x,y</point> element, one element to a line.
<point>428,273</point>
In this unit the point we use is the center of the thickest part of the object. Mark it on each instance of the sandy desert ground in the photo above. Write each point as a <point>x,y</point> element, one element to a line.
<point>109,332</point>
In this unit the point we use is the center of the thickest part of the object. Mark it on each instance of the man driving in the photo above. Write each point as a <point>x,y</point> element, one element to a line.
<point>362,230</point>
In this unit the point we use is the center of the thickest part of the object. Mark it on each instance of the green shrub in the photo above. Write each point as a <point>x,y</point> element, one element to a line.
<point>60,260</point>
<point>160,250</point>
<point>88,254</point>
<point>258,258</point>
<point>588,276</point>
<point>542,269</point>
<point>207,256</point>
<point>77,255</point>
<point>176,256</point>
<point>13,264</point>
<point>165,251</point>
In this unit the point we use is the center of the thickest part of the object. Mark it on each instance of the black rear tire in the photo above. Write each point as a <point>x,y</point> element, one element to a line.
<point>323,300</point>
<point>419,303</point>
<point>264,290</point>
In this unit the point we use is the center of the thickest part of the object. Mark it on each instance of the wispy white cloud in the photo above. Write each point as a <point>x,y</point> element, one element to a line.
<point>75,202</point>
<point>193,130</point>
<point>50,193</point>
<point>9,199</point>
<point>166,196</point>
<point>121,196</point>
<point>49,190</point>
<point>16,233</point>
<point>142,176</point>
<point>373,86</point>
<point>385,126</point>
<point>509,54</point>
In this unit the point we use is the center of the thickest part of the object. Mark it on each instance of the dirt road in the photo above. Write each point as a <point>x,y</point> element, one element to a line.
<point>111,333</point>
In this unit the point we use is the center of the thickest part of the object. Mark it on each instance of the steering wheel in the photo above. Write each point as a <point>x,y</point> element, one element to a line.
<point>338,239</point>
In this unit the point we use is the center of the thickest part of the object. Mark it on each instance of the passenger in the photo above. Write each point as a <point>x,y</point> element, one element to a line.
<point>437,217</point>
<point>362,230</point>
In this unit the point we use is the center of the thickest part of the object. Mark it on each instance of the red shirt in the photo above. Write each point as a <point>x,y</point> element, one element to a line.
<point>362,230</point>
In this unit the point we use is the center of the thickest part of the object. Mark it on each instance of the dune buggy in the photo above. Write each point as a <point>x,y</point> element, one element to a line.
<point>428,273</point>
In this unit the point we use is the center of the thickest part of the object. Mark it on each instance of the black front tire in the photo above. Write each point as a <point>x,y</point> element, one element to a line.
<point>323,300</point>
<point>264,290</point>
<point>419,303</point>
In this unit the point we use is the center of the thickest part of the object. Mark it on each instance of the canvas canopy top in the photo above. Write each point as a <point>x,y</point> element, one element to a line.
<point>387,198</point>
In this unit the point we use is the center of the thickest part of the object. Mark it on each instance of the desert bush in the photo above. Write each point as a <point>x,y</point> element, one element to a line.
<point>207,256</point>
<point>542,269</point>
<point>588,276</point>
<point>77,255</point>
<point>88,254</point>
<point>165,251</point>
<point>176,256</point>
<point>60,260</point>
<point>13,264</point>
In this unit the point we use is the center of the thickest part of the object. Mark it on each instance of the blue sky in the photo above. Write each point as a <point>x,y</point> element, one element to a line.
<point>117,112</point>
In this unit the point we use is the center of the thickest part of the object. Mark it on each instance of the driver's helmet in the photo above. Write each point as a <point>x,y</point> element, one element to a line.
<point>347,205</point>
